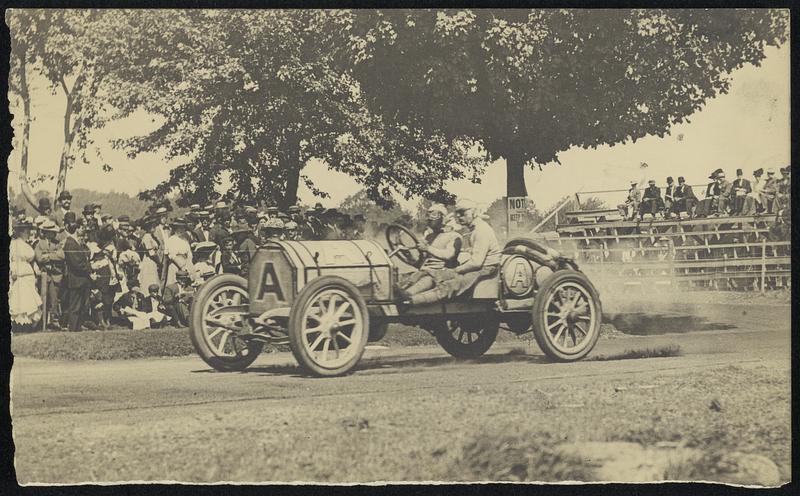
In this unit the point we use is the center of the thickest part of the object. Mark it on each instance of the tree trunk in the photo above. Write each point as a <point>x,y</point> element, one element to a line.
<point>26,133</point>
<point>292,166</point>
<point>66,149</point>
<point>515,174</point>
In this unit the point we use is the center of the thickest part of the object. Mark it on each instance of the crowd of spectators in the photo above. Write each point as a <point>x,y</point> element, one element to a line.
<point>90,270</point>
<point>740,197</point>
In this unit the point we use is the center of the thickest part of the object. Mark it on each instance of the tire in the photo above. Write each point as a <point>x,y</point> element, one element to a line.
<point>377,331</point>
<point>319,298</point>
<point>466,343</point>
<point>229,355</point>
<point>550,323</point>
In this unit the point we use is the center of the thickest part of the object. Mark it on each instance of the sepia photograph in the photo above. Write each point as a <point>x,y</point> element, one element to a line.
<point>391,246</point>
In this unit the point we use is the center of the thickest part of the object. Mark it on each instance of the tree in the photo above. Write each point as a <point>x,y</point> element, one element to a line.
<point>532,83</point>
<point>74,50</point>
<point>255,95</point>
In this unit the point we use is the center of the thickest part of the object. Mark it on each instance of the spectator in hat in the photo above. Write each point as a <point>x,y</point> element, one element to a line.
<point>740,190</point>
<point>769,191</point>
<point>683,199</point>
<point>631,206</point>
<point>50,259</point>
<point>651,200</point>
<point>178,250</point>
<point>782,200</point>
<point>177,298</point>
<point>128,265</point>
<point>669,197</point>
<point>104,264</point>
<point>708,205</point>
<point>246,246</point>
<point>98,212</point>
<point>152,250</point>
<point>64,205</point>
<point>45,208</point>
<point>77,274</point>
<point>227,260</point>
<point>24,302</point>
<point>725,194</point>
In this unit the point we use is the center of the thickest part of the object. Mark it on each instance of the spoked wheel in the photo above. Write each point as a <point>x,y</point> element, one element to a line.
<point>467,340</point>
<point>217,319</point>
<point>567,316</point>
<point>328,326</point>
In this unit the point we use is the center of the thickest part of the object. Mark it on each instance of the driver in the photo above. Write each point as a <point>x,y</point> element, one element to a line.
<point>442,246</point>
<point>483,261</point>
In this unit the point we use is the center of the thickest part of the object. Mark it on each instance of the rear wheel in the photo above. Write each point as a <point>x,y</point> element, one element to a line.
<point>218,316</point>
<point>328,326</point>
<point>567,316</point>
<point>463,339</point>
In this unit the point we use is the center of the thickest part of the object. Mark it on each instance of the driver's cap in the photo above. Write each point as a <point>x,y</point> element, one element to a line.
<point>465,204</point>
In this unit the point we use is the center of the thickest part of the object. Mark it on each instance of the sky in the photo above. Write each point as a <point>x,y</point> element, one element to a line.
<point>747,128</point>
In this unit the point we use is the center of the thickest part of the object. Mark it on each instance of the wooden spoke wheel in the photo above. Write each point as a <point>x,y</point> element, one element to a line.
<point>467,340</point>
<point>218,316</point>
<point>567,316</point>
<point>328,326</point>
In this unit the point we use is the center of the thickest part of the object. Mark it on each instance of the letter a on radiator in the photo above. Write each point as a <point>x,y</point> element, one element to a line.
<point>271,283</point>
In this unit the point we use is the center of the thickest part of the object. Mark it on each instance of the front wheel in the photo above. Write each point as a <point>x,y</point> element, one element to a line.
<point>465,340</point>
<point>328,326</point>
<point>566,316</point>
<point>218,315</point>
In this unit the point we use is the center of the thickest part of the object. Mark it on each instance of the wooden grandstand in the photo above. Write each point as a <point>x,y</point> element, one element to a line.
<point>738,253</point>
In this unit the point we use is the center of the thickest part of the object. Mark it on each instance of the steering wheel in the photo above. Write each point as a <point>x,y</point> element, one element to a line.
<point>404,244</point>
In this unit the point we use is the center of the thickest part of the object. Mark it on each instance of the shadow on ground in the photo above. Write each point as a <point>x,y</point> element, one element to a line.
<point>390,365</point>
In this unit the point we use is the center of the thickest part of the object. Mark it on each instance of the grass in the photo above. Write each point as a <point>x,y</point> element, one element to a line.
<point>670,350</point>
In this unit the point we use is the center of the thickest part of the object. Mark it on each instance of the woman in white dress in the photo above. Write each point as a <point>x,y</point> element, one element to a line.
<point>24,302</point>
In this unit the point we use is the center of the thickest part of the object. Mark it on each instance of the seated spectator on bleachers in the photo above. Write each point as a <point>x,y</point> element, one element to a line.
<point>683,199</point>
<point>783,198</point>
<point>725,193</point>
<point>769,191</point>
<point>629,209</point>
<point>651,200</point>
<point>669,197</point>
<point>741,188</point>
<point>708,205</point>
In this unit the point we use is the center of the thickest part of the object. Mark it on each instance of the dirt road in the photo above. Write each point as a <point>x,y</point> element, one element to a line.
<point>401,416</point>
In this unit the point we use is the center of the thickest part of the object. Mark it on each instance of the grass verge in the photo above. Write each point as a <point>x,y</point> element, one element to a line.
<point>174,342</point>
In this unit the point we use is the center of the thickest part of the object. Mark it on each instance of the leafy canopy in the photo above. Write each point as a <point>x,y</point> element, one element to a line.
<point>531,84</point>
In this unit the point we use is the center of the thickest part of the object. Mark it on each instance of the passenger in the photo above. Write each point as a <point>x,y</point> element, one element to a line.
<point>483,261</point>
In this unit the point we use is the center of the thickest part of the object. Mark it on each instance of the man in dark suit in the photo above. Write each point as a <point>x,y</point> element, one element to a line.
<point>77,274</point>
<point>741,188</point>
<point>651,200</point>
<point>683,199</point>
<point>669,197</point>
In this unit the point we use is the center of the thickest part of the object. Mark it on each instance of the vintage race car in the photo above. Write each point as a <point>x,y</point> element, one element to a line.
<point>327,299</point>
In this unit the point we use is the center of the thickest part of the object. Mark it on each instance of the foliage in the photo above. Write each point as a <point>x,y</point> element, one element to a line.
<point>254,95</point>
<point>532,83</point>
<point>75,50</point>
<point>113,203</point>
